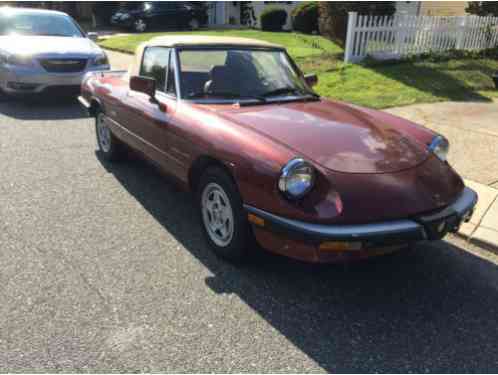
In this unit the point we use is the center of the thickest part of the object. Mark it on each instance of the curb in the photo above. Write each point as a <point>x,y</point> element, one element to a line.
<point>117,50</point>
<point>481,243</point>
<point>482,230</point>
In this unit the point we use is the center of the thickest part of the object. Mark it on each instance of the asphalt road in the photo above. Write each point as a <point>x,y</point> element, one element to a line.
<point>103,268</point>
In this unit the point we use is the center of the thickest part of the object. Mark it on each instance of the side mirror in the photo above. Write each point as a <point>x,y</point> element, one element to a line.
<point>145,85</point>
<point>311,79</point>
<point>93,36</point>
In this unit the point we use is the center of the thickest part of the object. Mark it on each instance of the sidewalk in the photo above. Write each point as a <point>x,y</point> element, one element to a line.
<point>118,60</point>
<point>483,226</point>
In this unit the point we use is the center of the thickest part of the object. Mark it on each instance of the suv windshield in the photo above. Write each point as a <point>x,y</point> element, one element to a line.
<point>239,74</point>
<point>34,23</point>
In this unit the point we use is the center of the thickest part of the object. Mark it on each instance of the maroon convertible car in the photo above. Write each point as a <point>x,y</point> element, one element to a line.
<point>236,122</point>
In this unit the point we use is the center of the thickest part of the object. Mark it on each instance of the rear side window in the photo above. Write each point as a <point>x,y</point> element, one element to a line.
<point>155,64</point>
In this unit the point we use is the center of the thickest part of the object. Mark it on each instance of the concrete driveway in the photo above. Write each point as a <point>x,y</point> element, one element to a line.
<point>103,269</point>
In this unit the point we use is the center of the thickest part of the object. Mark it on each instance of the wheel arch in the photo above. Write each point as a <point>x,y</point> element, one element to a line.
<point>202,163</point>
<point>95,106</point>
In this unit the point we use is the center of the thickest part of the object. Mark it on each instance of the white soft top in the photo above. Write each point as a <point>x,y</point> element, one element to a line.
<point>189,40</point>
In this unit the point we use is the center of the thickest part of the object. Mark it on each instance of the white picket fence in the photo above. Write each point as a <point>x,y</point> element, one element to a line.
<point>394,37</point>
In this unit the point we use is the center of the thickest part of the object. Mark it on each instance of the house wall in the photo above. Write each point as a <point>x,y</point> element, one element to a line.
<point>222,13</point>
<point>443,8</point>
<point>407,7</point>
<point>228,12</point>
<point>233,13</point>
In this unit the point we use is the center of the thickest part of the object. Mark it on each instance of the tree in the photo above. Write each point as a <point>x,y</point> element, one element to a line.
<point>333,16</point>
<point>483,8</point>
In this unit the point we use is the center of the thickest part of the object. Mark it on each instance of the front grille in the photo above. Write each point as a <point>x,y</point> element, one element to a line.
<point>63,65</point>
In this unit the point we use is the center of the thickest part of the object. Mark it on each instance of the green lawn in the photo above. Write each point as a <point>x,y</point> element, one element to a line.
<point>380,86</point>
<point>299,45</point>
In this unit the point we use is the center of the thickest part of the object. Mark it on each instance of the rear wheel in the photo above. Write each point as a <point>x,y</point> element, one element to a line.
<point>222,216</point>
<point>140,25</point>
<point>110,147</point>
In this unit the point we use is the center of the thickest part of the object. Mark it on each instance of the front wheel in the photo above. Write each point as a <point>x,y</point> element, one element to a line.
<point>110,147</point>
<point>222,216</point>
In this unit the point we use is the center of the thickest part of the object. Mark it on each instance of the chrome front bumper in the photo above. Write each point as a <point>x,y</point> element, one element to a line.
<point>34,80</point>
<point>419,228</point>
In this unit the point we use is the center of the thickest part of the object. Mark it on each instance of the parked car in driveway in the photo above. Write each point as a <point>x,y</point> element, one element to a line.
<point>160,14</point>
<point>42,50</point>
<point>235,121</point>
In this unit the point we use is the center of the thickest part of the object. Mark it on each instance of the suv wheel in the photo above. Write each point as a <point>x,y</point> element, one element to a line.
<point>222,216</point>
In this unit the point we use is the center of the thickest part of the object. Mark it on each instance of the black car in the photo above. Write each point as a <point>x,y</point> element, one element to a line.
<point>160,14</point>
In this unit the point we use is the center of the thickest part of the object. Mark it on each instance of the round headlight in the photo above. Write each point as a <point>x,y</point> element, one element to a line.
<point>297,178</point>
<point>440,147</point>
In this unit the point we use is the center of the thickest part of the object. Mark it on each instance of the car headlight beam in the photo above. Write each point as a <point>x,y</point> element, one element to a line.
<point>297,178</point>
<point>15,60</point>
<point>440,147</point>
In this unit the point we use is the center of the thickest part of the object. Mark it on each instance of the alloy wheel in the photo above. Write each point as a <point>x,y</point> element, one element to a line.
<point>104,134</point>
<point>217,214</point>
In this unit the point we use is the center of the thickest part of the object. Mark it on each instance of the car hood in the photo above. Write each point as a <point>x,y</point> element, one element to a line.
<point>47,45</point>
<point>337,136</point>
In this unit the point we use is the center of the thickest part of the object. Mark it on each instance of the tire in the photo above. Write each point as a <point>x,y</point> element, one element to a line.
<point>111,148</point>
<point>214,188</point>
<point>140,25</point>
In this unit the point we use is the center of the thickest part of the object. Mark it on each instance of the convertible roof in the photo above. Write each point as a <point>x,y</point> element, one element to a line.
<point>205,40</point>
<point>187,40</point>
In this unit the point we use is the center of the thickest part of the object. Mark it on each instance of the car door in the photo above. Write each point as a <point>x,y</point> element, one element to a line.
<point>148,118</point>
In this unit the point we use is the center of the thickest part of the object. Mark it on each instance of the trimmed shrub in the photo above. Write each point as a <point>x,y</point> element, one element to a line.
<point>305,17</point>
<point>273,19</point>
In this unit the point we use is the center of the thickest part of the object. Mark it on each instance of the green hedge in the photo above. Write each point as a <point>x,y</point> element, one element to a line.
<point>273,19</point>
<point>305,17</point>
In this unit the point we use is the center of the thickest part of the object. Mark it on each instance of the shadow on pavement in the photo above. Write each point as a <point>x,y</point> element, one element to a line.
<point>42,108</point>
<point>430,309</point>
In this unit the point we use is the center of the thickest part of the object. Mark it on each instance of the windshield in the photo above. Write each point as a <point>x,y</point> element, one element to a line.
<point>237,74</point>
<point>38,24</point>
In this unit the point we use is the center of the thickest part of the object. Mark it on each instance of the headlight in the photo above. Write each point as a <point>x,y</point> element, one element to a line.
<point>297,178</point>
<point>20,60</point>
<point>440,147</point>
<point>100,60</point>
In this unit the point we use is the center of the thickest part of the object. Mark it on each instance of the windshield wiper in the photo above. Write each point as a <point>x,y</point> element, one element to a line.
<point>290,90</point>
<point>225,95</point>
<point>282,91</point>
